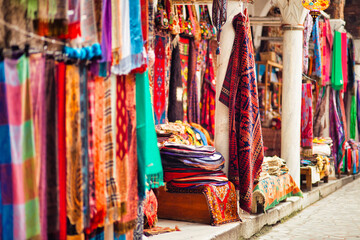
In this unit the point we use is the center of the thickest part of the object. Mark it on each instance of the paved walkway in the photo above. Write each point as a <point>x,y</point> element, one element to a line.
<point>335,217</point>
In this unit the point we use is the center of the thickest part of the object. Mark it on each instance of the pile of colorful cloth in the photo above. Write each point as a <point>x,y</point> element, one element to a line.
<point>351,158</point>
<point>272,166</point>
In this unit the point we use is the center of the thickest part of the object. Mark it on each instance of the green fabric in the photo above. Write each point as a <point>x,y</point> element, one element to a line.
<point>150,172</point>
<point>337,80</point>
<point>353,117</point>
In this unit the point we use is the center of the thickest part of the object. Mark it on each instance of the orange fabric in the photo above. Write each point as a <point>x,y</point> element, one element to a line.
<point>99,157</point>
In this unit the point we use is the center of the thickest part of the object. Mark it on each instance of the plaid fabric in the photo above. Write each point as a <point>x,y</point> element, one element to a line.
<point>112,189</point>
<point>19,189</point>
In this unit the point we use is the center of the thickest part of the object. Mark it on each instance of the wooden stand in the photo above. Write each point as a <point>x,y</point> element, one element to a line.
<point>307,173</point>
<point>190,207</point>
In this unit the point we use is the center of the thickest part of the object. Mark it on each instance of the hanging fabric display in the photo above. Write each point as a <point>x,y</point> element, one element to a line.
<point>327,47</point>
<point>353,115</point>
<point>184,61</point>
<point>306,117</point>
<point>317,51</point>
<point>337,78</point>
<point>319,113</point>
<point>308,25</point>
<point>193,101</point>
<point>239,93</point>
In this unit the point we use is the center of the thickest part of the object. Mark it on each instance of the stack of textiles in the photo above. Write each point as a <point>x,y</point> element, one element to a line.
<point>183,133</point>
<point>188,166</point>
<point>274,166</point>
<point>322,146</point>
<point>351,159</point>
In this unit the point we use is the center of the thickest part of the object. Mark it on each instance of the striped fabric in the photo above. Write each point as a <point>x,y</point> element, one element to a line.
<point>19,190</point>
<point>112,189</point>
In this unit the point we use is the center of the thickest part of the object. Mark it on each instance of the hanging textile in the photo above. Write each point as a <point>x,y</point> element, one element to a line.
<point>74,26</point>
<point>337,78</point>
<point>88,25</point>
<point>159,88</point>
<point>306,116</point>
<point>351,64</point>
<point>184,61</point>
<point>353,116</point>
<point>74,180</point>
<point>358,105</point>
<point>139,230</point>
<point>20,197</point>
<point>128,221</point>
<point>150,169</point>
<point>51,151</point>
<point>116,38</point>
<point>37,89</point>
<point>176,88</point>
<point>106,39</point>
<point>308,26</point>
<point>319,114</point>
<point>219,16</point>
<point>84,142</point>
<point>344,59</point>
<point>131,57</point>
<point>239,93</point>
<point>112,188</point>
<point>61,143</point>
<point>317,50</point>
<point>208,94</point>
<point>327,51</point>
<point>99,157</point>
<point>193,101</point>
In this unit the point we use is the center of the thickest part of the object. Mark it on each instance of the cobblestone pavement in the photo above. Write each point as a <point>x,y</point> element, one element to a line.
<point>337,216</point>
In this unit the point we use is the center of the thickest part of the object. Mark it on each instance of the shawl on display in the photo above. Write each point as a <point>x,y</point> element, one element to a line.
<point>327,51</point>
<point>175,111</point>
<point>88,25</point>
<point>19,189</point>
<point>52,18</point>
<point>306,116</point>
<point>106,38</point>
<point>84,142</point>
<point>353,116</point>
<point>351,64</point>
<point>193,101</point>
<point>320,112</point>
<point>336,130</point>
<point>344,58</point>
<point>337,79</point>
<point>184,60</point>
<point>37,89</point>
<point>51,151</point>
<point>74,179</point>
<point>317,50</point>
<point>74,25</point>
<point>219,16</point>
<point>150,169</point>
<point>308,25</point>
<point>131,57</point>
<point>208,95</point>
<point>61,143</point>
<point>128,220</point>
<point>239,93</point>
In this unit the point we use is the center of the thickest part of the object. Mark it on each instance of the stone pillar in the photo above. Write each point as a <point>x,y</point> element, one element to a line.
<point>293,15</point>
<point>221,111</point>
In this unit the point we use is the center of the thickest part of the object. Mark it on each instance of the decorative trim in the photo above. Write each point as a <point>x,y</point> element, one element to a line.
<point>293,28</point>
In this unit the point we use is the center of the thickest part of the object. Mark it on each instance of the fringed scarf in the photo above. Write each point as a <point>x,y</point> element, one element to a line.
<point>52,163</point>
<point>61,143</point>
<point>239,93</point>
<point>175,107</point>
<point>208,95</point>
<point>219,16</point>
<point>193,101</point>
<point>317,50</point>
<point>128,220</point>
<point>306,116</point>
<point>74,179</point>
<point>37,89</point>
<point>21,195</point>
<point>150,168</point>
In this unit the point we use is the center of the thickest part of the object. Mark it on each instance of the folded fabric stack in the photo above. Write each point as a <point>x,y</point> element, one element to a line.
<point>322,146</point>
<point>189,166</point>
<point>272,166</point>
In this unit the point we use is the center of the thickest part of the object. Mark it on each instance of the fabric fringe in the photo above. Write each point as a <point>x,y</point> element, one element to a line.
<point>155,180</point>
<point>175,41</point>
<point>126,65</point>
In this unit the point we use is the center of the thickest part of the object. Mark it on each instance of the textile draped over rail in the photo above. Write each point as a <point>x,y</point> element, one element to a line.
<point>239,93</point>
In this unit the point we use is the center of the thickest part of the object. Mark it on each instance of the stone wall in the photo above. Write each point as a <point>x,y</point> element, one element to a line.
<point>352,17</point>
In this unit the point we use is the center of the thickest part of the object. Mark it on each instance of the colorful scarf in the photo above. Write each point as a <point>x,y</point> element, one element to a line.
<point>133,57</point>
<point>358,106</point>
<point>150,169</point>
<point>116,38</point>
<point>74,178</point>
<point>112,189</point>
<point>317,50</point>
<point>306,116</point>
<point>193,101</point>
<point>20,197</point>
<point>337,78</point>
<point>319,113</point>
<point>175,107</point>
<point>99,157</point>
<point>344,59</point>
<point>219,16</point>
<point>327,51</point>
<point>84,142</point>
<point>159,95</point>
<point>353,116</point>
<point>239,93</point>
<point>74,25</point>
<point>61,143</point>
<point>351,63</point>
<point>37,89</point>
<point>308,26</point>
<point>52,164</point>
<point>184,60</point>
<point>128,220</point>
<point>88,25</point>
<point>208,94</point>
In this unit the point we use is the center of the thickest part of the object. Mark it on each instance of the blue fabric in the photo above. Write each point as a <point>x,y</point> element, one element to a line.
<point>317,49</point>
<point>202,135</point>
<point>121,237</point>
<point>83,53</point>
